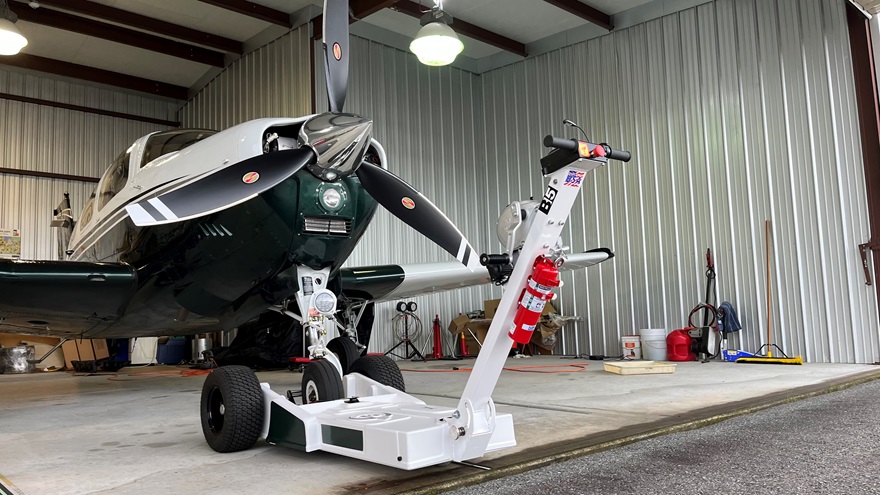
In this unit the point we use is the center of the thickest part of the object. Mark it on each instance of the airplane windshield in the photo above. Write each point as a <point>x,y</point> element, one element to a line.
<point>166,142</point>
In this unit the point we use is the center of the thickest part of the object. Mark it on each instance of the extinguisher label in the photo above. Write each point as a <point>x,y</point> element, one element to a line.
<point>529,328</point>
<point>534,304</point>
<point>540,288</point>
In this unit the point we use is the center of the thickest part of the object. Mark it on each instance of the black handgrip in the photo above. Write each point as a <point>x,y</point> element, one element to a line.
<point>561,143</point>
<point>494,259</point>
<point>613,154</point>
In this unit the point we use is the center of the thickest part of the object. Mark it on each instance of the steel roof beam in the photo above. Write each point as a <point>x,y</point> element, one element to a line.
<point>584,11</point>
<point>118,34</point>
<point>254,10</point>
<point>100,76</point>
<point>145,23</point>
<point>359,10</point>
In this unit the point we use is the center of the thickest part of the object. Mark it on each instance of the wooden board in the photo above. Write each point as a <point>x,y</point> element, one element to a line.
<point>639,367</point>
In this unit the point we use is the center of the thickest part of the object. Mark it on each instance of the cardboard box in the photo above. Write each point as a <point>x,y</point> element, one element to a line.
<point>70,353</point>
<point>13,339</point>
<point>99,346</point>
<point>458,324</point>
<point>490,306</point>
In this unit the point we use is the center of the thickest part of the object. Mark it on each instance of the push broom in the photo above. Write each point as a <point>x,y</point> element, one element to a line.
<point>769,358</point>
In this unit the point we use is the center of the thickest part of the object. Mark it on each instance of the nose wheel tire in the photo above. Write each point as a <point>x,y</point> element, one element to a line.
<point>232,409</point>
<point>346,350</point>
<point>321,382</point>
<point>383,369</point>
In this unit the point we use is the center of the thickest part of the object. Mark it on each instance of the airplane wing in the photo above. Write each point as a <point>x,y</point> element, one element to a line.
<point>391,282</point>
<point>41,297</point>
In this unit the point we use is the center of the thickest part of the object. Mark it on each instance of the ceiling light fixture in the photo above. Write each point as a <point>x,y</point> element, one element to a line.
<point>11,40</point>
<point>436,43</point>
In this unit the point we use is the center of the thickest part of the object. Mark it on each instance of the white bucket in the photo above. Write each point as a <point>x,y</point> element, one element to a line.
<point>631,347</point>
<point>654,343</point>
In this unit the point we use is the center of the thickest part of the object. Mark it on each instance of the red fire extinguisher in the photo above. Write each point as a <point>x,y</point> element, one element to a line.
<point>539,290</point>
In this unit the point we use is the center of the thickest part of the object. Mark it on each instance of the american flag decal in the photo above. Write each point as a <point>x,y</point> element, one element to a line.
<point>574,178</point>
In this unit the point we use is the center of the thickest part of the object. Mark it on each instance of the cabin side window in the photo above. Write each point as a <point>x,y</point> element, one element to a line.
<point>87,212</point>
<point>162,143</point>
<point>114,179</point>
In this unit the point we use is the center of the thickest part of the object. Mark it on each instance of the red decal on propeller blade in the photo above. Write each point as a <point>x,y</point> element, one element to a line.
<point>408,203</point>
<point>250,177</point>
<point>337,51</point>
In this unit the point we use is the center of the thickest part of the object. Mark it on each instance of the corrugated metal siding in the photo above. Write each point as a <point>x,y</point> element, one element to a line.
<point>272,81</point>
<point>35,137</point>
<point>430,122</point>
<point>735,111</point>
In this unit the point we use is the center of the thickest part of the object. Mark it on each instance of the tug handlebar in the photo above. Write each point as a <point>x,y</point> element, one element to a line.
<point>572,145</point>
<point>561,143</point>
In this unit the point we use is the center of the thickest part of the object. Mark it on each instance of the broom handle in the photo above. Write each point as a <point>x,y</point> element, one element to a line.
<point>769,308</point>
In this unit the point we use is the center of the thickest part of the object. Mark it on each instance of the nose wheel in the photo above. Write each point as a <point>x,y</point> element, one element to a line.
<point>321,382</point>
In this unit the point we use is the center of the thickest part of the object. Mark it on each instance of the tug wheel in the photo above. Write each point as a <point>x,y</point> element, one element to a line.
<point>346,350</point>
<point>232,409</point>
<point>383,369</point>
<point>321,382</point>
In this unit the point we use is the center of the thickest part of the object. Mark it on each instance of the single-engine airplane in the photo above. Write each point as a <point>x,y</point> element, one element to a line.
<point>193,230</point>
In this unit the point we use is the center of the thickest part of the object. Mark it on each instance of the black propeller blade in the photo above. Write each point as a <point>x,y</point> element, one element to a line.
<point>336,52</point>
<point>228,187</point>
<point>417,211</point>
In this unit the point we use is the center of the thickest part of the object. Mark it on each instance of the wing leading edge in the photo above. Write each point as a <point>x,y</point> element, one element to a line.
<point>62,297</point>
<point>391,282</point>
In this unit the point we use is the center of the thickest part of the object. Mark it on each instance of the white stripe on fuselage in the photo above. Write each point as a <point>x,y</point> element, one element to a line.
<point>138,213</point>
<point>159,205</point>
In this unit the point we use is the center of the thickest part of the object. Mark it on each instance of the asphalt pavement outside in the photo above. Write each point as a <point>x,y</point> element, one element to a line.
<point>829,444</point>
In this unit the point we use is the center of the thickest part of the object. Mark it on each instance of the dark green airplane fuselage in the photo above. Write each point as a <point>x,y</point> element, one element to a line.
<point>224,269</point>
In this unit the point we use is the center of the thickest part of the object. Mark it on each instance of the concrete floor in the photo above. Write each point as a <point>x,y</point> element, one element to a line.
<point>138,431</point>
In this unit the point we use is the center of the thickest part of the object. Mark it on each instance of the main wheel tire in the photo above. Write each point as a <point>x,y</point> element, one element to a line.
<point>232,409</point>
<point>383,369</point>
<point>346,350</point>
<point>321,382</point>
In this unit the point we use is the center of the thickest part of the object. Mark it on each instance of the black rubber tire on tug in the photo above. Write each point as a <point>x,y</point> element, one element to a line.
<point>321,382</point>
<point>383,369</point>
<point>232,409</point>
<point>346,350</point>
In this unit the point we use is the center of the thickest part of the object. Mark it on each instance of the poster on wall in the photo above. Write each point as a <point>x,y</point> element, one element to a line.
<point>10,244</point>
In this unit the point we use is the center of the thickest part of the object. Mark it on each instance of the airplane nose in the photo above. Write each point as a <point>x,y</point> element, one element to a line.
<point>339,140</point>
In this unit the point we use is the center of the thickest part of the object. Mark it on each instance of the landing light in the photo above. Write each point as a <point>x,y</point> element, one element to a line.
<point>325,302</point>
<point>331,199</point>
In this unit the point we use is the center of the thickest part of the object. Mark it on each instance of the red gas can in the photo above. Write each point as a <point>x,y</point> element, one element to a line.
<point>678,346</point>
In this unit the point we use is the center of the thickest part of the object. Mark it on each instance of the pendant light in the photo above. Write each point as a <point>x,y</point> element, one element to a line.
<point>436,43</point>
<point>11,40</point>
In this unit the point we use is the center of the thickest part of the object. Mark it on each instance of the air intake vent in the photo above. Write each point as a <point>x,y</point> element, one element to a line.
<point>214,230</point>
<point>327,226</point>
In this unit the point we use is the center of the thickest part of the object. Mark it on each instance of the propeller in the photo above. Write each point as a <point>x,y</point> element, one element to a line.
<point>333,146</point>
<point>336,52</point>
<point>393,193</point>
<point>223,189</point>
<point>412,208</point>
